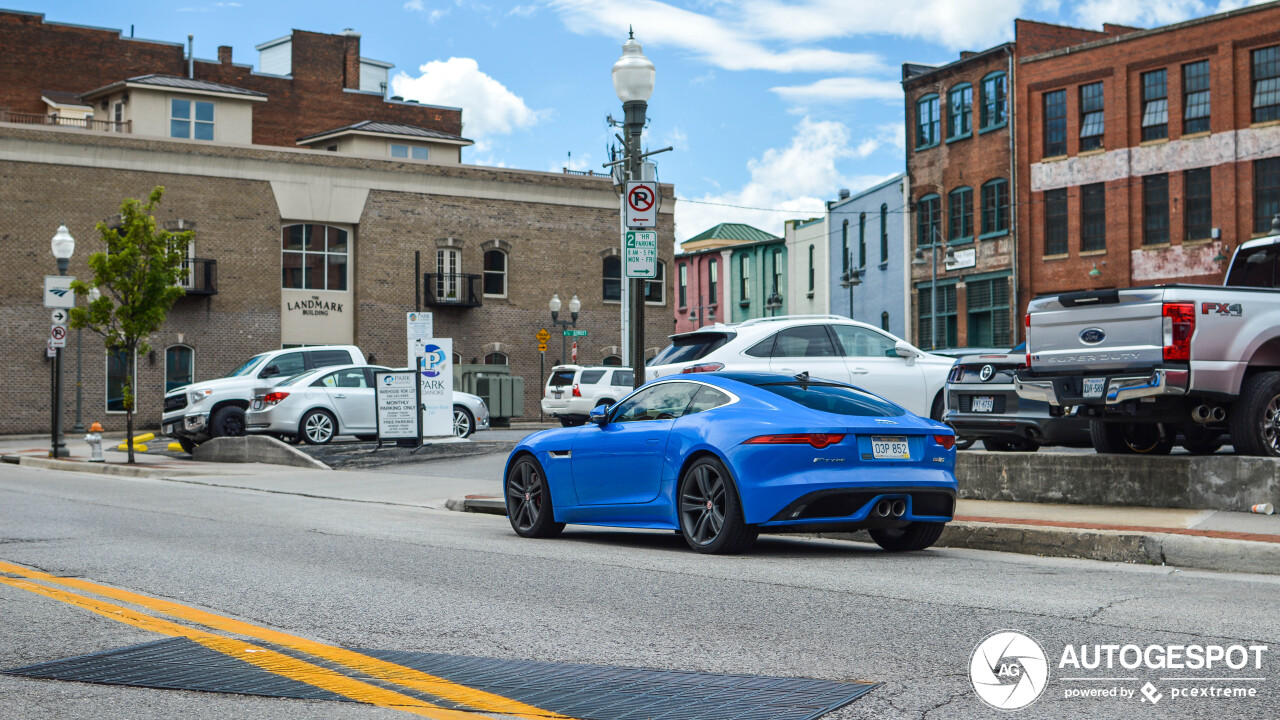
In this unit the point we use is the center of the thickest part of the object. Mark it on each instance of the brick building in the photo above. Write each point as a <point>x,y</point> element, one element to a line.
<point>366,230</point>
<point>1146,156</point>
<point>703,275</point>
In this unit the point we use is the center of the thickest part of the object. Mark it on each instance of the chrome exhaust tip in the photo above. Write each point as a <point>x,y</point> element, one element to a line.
<point>899,508</point>
<point>1202,413</point>
<point>884,508</point>
<point>1219,414</point>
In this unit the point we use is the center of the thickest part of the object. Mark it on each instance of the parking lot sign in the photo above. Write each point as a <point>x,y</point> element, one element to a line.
<point>641,256</point>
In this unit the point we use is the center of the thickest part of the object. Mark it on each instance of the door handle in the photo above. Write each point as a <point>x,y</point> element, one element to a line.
<point>651,441</point>
<point>340,396</point>
<point>859,371</point>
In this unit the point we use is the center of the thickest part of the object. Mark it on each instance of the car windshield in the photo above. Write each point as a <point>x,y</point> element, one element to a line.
<point>248,367</point>
<point>687,348</point>
<point>835,399</point>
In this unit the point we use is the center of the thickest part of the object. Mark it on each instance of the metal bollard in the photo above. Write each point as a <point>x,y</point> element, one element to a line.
<point>94,438</point>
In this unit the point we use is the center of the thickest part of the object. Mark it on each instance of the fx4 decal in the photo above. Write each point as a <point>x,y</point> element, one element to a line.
<point>1234,309</point>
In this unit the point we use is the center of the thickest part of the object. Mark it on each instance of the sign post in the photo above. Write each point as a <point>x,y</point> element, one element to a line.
<point>398,397</point>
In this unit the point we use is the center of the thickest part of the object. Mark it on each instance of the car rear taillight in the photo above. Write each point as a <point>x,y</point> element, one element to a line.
<point>576,391</point>
<point>704,367</point>
<point>1179,325</point>
<point>273,398</point>
<point>817,440</point>
<point>946,441</point>
<point>957,372</point>
<point>1026,336</point>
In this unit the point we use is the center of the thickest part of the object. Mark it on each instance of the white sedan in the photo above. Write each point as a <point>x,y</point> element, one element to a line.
<point>319,405</point>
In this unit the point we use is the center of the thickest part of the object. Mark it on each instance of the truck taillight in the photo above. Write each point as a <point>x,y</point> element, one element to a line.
<point>1179,326</point>
<point>576,391</point>
<point>1026,336</point>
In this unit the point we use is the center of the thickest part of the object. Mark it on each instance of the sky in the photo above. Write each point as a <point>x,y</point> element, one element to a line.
<point>772,106</point>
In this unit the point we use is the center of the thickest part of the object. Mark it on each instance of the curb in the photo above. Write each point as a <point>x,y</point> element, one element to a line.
<point>138,471</point>
<point>255,449</point>
<point>485,504</point>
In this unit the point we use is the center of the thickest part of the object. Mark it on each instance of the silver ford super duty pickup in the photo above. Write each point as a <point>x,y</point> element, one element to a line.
<point>1151,367</point>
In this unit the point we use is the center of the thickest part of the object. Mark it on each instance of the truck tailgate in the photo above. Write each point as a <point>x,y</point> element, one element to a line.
<point>1098,330</point>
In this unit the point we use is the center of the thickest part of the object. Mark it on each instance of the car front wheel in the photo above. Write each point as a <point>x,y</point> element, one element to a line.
<point>529,501</point>
<point>711,517</point>
<point>227,421</point>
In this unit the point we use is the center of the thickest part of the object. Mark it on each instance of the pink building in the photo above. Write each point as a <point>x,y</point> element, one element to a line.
<point>701,277</point>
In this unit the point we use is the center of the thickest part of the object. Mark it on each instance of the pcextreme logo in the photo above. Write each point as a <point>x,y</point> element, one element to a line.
<point>1008,670</point>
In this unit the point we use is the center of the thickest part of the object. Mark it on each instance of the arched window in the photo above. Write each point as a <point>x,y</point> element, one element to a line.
<point>684,284</point>
<point>960,111</point>
<point>179,366</point>
<point>928,220</point>
<point>495,273</point>
<point>844,246</point>
<point>448,263</point>
<point>612,360</point>
<point>928,122</point>
<point>884,321</point>
<point>810,268</point>
<point>995,100</point>
<point>314,257</point>
<point>713,280</point>
<point>457,359</point>
<point>995,206</point>
<point>612,270</point>
<point>496,358</point>
<point>744,277</point>
<point>884,232</point>
<point>960,210</point>
<point>655,288</point>
<point>862,240</point>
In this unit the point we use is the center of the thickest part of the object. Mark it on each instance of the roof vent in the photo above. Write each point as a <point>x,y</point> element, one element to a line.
<point>844,193</point>
<point>350,33</point>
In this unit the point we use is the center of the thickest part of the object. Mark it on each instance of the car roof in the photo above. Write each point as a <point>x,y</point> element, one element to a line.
<point>754,379</point>
<point>768,324</point>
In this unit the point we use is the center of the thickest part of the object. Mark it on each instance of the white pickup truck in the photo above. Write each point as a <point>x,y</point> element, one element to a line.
<point>1196,365</point>
<point>215,408</point>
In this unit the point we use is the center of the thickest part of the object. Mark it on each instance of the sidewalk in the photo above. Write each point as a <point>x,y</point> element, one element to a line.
<point>33,451</point>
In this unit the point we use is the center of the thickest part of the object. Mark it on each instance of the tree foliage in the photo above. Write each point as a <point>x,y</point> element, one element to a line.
<point>139,276</point>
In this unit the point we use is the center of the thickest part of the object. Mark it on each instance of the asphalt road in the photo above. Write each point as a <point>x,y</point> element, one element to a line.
<point>373,575</point>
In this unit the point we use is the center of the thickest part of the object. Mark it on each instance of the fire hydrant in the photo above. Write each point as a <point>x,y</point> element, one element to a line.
<point>94,438</point>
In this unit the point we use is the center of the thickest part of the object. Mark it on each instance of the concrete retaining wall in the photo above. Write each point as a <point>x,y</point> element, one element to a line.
<point>254,449</point>
<point>1213,482</point>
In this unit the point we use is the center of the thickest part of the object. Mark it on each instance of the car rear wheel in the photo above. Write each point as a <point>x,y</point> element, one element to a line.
<point>464,423</point>
<point>1126,438</point>
<point>318,427</point>
<point>915,536</point>
<point>529,501</point>
<point>711,517</point>
<point>227,421</point>
<point>1255,416</point>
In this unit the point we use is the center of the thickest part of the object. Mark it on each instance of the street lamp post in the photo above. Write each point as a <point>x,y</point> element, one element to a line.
<point>773,303</point>
<point>633,78</point>
<point>574,306</point>
<point>696,316</point>
<point>63,245</point>
<point>948,257</point>
<point>849,279</point>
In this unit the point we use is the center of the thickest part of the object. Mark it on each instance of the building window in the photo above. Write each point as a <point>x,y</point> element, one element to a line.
<point>416,152</point>
<point>844,246</point>
<point>1197,213</point>
<point>179,366</point>
<point>884,321</point>
<point>713,279</point>
<point>684,285</point>
<point>777,271</point>
<point>1266,84</point>
<point>862,240</point>
<point>118,378</point>
<point>1092,123</point>
<point>744,278</point>
<point>884,232</point>
<point>655,288</point>
<point>1055,222</point>
<point>995,100</point>
<point>1155,105</point>
<point>810,268</point>
<point>315,257</point>
<point>929,220</point>
<point>995,206</point>
<point>496,358</point>
<point>948,331</point>
<point>1155,209</point>
<point>1093,217</point>
<point>495,273</point>
<point>1195,97</point>
<point>988,302</point>
<point>960,215</point>
<point>612,360</point>
<point>190,119</point>
<point>1266,193</point>
<point>960,111</point>
<point>612,271</point>
<point>448,264</point>
<point>927,122</point>
<point>1055,123</point>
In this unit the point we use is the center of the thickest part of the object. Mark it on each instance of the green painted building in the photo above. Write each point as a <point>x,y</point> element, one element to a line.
<point>758,279</point>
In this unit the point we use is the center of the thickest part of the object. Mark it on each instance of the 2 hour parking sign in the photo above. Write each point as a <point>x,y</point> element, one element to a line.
<point>641,256</point>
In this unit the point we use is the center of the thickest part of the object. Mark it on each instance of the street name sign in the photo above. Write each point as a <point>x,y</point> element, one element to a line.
<point>397,398</point>
<point>641,254</point>
<point>641,204</point>
<point>58,292</point>
<point>575,333</point>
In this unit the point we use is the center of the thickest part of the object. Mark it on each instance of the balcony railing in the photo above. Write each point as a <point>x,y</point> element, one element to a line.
<point>451,289</point>
<point>9,116</point>
<point>202,276</point>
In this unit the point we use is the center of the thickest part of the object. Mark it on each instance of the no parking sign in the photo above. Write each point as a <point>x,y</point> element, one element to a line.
<point>641,203</point>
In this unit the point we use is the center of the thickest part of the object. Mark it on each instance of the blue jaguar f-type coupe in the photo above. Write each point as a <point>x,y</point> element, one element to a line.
<point>720,457</point>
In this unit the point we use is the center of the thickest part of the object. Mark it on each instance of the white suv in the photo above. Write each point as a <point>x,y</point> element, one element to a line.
<point>572,390</point>
<point>825,346</point>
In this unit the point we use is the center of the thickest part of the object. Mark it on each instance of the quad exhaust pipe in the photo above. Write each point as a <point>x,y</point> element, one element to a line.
<point>885,508</point>
<point>1205,414</point>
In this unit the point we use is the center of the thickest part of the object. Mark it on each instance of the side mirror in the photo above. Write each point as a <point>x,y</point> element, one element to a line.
<point>269,371</point>
<point>902,349</point>
<point>600,415</point>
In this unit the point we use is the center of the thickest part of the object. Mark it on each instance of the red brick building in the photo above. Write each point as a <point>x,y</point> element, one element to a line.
<point>1145,156</point>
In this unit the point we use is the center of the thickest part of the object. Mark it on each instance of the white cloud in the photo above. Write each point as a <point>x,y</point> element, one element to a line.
<point>488,107</point>
<point>523,10</point>
<point>582,162</point>
<point>1151,13</point>
<point>841,89</point>
<point>952,23</point>
<point>785,182</point>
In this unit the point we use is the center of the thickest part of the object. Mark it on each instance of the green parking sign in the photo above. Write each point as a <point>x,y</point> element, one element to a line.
<point>640,258</point>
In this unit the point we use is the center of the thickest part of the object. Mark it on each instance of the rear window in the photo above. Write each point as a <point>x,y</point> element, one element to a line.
<point>1255,268</point>
<point>591,377</point>
<point>624,378</point>
<point>835,399</point>
<point>325,358</point>
<point>687,348</point>
<point>560,378</point>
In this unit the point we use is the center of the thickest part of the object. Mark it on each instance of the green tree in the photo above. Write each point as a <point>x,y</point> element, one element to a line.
<point>139,279</point>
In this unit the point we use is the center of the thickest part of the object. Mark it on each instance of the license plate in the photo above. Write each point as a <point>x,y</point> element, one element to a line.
<point>890,448</point>
<point>982,403</point>
<point>556,394</point>
<point>171,428</point>
<point>1093,387</point>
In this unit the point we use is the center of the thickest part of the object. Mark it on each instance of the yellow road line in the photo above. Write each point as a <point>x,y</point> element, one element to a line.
<point>373,667</point>
<point>264,658</point>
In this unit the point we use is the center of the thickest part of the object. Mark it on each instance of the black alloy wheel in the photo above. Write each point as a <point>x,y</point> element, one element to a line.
<point>529,501</point>
<point>711,517</point>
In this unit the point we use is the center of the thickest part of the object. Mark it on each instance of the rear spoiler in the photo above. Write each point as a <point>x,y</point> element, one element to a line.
<point>1089,297</point>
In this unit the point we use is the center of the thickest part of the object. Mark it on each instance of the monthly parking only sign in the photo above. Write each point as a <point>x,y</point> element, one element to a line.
<point>641,256</point>
<point>641,202</point>
<point>398,399</point>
